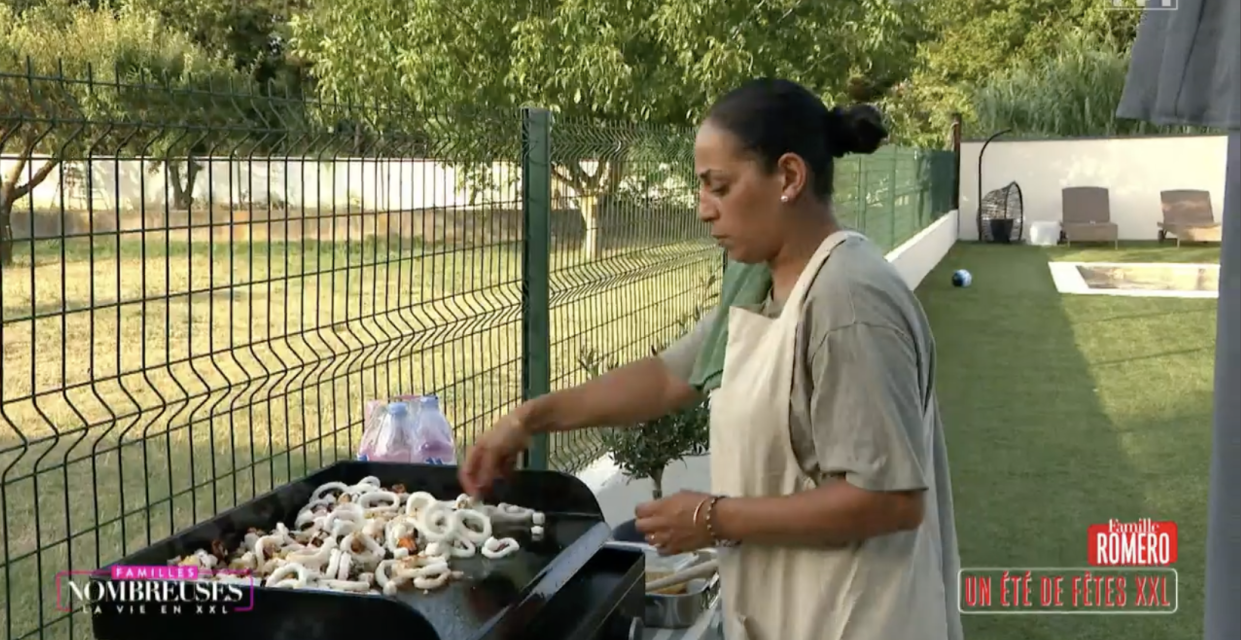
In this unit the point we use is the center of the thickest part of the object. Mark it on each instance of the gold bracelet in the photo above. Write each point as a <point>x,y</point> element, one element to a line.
<point>698,509</point>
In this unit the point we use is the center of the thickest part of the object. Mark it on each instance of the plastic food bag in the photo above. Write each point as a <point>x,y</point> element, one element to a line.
<point>433,442</point>
<point>407,429</point>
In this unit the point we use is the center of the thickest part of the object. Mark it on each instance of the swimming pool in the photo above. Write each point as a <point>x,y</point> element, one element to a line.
<point>1159,280</point>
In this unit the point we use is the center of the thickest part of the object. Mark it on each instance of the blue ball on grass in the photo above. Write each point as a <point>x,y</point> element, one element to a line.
<point>961,278</point>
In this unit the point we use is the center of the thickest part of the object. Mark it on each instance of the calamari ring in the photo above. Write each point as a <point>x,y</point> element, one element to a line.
<point>373,551</point>
<point>437,523</point>
<point>352,513</point>
<point>418,501</point>
<point>314,560</point>
<point>279,576</point>
<point>381,573</point>
<point>514,510</point>
<point>354,586</point>
<point>390,584</point>
<point>368,499</point>
<point>304,517</point>
<point>494,549</point>
<point>333,563</point>
<point>326,487</point>
<point>393,532</point>
<point>260,547</point>
<point>462,548</point>
<point>436,550</point>
<point>428,582</point>
<point>343,528</point>
<point>346,562</point>
<point>479,535</point>
<point>431,570</point>
<point>247,561</point>
<point>497,516</point>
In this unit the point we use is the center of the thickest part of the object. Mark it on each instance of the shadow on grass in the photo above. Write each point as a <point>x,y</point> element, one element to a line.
<point>1056,421</point>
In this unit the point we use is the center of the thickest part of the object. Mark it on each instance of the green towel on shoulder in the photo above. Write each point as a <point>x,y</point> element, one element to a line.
<point>744,284</point>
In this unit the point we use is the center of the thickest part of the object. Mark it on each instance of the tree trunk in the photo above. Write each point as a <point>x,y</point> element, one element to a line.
<point>182,196</point>
<point>6,228</point>
<point>590,217</point>
<point>10,193</point>
<point>657,480</point>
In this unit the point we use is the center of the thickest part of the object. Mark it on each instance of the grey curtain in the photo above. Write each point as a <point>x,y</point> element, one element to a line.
<point>1184,71</point>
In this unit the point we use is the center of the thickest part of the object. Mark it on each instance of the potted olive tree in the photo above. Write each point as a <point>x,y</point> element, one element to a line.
<point>644,451</point>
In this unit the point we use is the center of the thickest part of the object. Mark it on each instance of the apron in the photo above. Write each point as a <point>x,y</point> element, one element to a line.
<point>787,593</point>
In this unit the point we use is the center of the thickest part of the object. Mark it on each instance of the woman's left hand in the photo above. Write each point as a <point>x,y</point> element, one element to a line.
<point>670,525</point>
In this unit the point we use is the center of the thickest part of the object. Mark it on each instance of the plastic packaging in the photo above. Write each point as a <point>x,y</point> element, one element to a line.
<point>390,436</point>
<point>433,442</point>
<point>407,429</point>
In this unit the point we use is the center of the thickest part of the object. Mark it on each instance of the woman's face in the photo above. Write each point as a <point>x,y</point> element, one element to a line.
<point>737,198</point>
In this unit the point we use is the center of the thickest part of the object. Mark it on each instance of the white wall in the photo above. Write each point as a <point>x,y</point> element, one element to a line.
<point>126,185</point>
<point>1134,170</point>
<point>618,495</point>
<point>917,256</point>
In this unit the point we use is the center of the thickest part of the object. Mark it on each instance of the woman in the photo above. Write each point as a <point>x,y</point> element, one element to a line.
<point>830,501</point>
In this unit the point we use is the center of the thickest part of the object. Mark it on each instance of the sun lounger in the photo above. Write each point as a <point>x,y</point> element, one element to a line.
<point>1086,216</point>
<point>1187,216</point>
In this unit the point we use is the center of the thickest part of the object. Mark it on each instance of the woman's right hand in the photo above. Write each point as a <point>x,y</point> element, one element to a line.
<point>494,455</point>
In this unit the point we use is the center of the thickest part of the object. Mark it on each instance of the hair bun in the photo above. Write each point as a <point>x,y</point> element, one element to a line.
<point>855,129</point>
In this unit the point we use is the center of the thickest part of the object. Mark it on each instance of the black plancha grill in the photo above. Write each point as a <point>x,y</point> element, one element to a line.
<point>566,586</point>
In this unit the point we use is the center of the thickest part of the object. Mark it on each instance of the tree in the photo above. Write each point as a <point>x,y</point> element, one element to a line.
<point>251,34</point>
<point>965,43</point>
<point>1073,93</point>
<point>644,451</point>
<point>591,62</point>
<point>80,82</point>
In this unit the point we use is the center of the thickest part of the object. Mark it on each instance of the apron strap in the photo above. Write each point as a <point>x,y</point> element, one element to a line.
<point>829,244</point>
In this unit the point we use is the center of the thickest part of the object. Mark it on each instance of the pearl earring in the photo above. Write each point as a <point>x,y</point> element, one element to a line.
<point>784,198</point>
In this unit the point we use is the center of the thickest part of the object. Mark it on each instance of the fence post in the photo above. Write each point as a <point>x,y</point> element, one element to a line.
<point>536,206</point>
<point>862,194</point>
<point>920,180</point>
<point>955,200</point>
<point>892,195</point>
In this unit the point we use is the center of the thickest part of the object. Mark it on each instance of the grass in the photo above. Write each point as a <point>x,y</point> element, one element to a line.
<point>1064,411</point>
<point>149,385</point>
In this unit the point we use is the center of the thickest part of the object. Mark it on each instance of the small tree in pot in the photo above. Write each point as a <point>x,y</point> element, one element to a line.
<point>645,450</point>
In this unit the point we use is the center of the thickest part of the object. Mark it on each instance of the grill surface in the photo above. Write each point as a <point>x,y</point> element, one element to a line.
<point>497,600</point>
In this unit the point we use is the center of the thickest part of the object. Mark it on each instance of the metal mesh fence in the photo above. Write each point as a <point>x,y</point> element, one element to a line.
<point>202,287</point>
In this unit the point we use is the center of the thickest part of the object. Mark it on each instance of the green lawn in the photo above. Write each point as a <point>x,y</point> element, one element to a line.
<point>1064,411</point>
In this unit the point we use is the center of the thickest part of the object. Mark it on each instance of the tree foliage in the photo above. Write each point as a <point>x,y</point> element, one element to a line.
<point>966,43</point>
<point>80,81</point>
<point>1072,92</point>
<point>466,68</point>
<point>646,60</point>
<point>252,34</point>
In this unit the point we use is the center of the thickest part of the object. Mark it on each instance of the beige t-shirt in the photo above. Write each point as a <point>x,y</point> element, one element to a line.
<point>863,397</point>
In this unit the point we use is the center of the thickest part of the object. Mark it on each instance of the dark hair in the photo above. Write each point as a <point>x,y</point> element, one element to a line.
<point>773,117</point>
